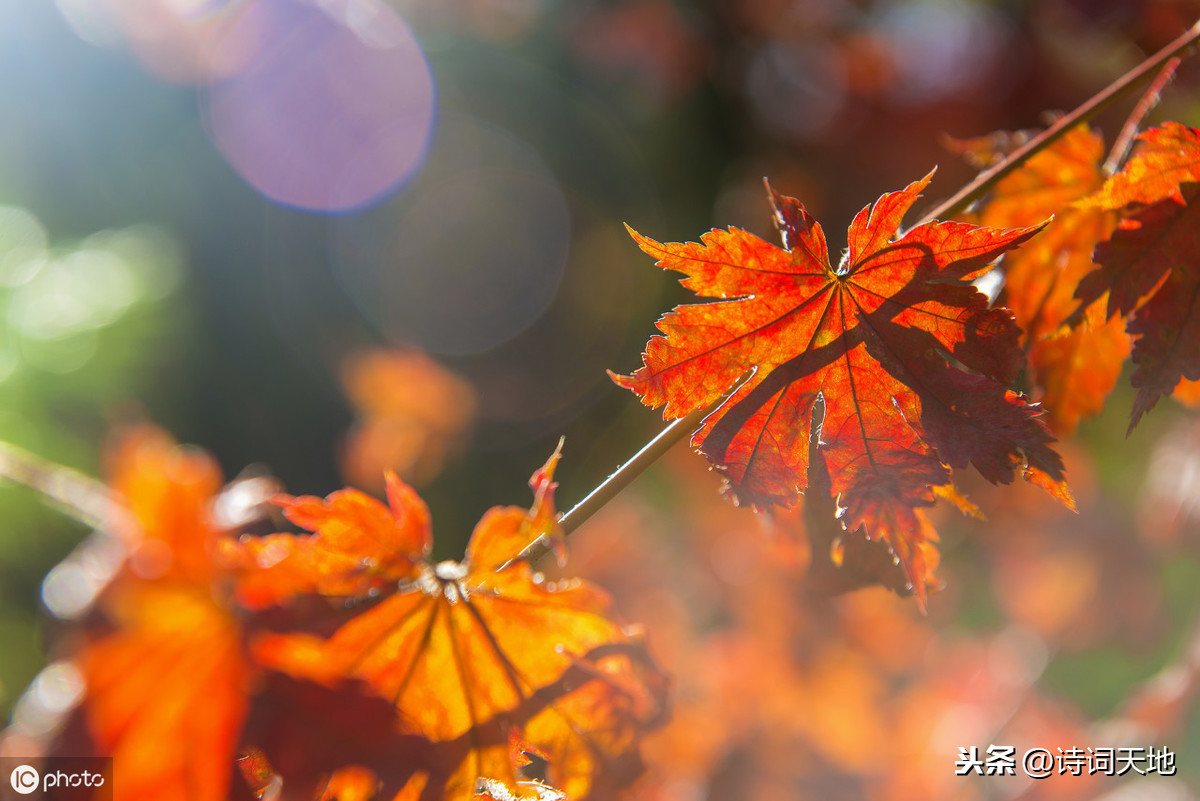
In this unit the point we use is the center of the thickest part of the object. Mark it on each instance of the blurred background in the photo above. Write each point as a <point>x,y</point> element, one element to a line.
<point>327,237</point>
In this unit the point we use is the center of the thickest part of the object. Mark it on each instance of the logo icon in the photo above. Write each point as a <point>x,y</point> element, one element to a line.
<point>24,779</point>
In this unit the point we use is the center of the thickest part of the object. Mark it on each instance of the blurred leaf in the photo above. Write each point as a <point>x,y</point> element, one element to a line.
<point>413,416</point>
<point>1149,266</point>
<point>1073,369</point>
<point>166,676</point>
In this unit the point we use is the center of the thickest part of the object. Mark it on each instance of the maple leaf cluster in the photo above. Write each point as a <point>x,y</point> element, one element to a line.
<point>1148,267</point>
<point>873,380</point>
<point>343,663</point>
<point>1114,270</point>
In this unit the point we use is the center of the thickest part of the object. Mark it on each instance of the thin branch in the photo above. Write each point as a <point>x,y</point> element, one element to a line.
<point>1114,91</point>
<point>79,496</point>
<point>624,474</point>
<point>1129,130</point>
<point>619,480</point>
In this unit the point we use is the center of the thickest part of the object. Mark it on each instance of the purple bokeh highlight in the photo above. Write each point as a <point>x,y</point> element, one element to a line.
<point>332,109</point>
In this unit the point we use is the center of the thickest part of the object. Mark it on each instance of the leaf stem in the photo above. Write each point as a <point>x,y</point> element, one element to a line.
<point>1114,91</point>
<point>618,480</point>
<point>624,474</point>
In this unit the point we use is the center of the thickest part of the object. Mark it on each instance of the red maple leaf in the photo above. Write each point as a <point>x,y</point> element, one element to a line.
<point>911,363</point>
<point>1150,266</point>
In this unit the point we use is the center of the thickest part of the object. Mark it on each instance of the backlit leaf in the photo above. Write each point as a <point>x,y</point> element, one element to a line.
<point>412,416</point>
<point>166,676</point>
<point>1158,247</point>
<point>359,545</point>
<point>1167,157</point>
<point>1150,266</point>
<point>177,741</point>
<point>466,651</point>
<point>910,361</point>
<point>1073,370</point>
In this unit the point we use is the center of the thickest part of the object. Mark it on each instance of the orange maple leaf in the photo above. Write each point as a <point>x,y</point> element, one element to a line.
<point>910,361</point>
<point>463,652</point>
<point>1150,266</point>
<point>166,676</point>
<point>1074,369</point>
<point>166,692</point>
<point>359,547</point>
<point>1166,158</point>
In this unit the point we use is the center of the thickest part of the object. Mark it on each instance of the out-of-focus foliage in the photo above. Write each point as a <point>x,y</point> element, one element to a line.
<point>466,199</point>
<point>445,674</point>
<point>413,415</point>
<point>1049,634</point>
<point>82,322</point>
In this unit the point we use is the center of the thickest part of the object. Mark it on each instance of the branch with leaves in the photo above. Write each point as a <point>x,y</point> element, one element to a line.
<point>342,662</point>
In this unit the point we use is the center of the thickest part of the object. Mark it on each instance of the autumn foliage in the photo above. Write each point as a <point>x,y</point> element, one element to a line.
<point>165,626</point>
<point>1073,369</point>
<point>1148,267</point>
<point>910,364</point>
<point>1080,316</point>
<point>312,648</point>
<point>872,339</point>
<point>342,662</point>
<point>412,414</point>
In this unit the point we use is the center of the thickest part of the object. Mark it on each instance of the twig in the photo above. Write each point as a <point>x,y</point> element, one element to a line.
<point>618,481</point>
<point>624,474</point>
<point>81,497</point>
<point>1129,130</point>
<point>1114,91</point>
